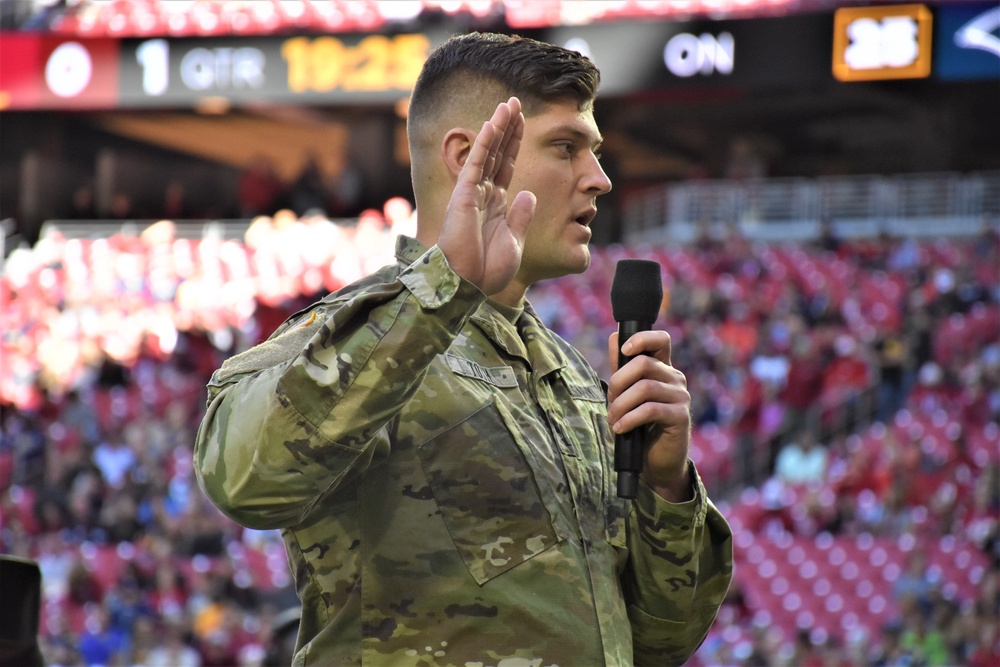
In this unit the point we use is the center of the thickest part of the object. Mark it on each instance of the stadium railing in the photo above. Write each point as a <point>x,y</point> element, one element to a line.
<point>795,208</point>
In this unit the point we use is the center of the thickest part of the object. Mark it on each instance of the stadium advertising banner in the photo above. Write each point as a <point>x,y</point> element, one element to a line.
<point>968,42</point>
<point>46,72</point>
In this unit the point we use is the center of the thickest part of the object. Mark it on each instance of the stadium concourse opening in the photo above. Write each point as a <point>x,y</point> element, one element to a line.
<point>650,138</point>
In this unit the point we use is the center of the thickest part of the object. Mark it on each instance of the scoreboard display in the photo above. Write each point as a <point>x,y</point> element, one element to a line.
<point>38,71</point>
<point>873,43</point>
<point>850,46</point>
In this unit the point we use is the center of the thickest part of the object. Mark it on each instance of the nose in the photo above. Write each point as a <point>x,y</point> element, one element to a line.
<point>594,180</point>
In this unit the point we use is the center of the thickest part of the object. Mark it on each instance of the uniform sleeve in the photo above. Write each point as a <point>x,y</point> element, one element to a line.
<point>292,419</point>
<point>679,569</point>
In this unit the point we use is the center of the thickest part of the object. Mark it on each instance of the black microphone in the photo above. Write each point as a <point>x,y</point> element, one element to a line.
<point>636,295</point>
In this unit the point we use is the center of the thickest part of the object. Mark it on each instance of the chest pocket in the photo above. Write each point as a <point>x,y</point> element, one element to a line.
<point>486,492</point>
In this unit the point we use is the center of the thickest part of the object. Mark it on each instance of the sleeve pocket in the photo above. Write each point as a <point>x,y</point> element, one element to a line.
<point>662,642</point>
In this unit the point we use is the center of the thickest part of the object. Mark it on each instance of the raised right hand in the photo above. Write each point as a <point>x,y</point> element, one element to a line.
<point>481,238</point>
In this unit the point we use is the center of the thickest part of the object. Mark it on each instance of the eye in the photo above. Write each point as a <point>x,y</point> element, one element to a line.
<point>565,147</point>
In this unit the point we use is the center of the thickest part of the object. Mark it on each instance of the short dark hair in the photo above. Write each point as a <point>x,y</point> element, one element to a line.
<point>480,70</point>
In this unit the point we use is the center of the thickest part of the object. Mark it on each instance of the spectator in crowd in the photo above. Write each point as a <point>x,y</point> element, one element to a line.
<point>82,205</point>
<point>260,188</point>
<point>174,650</point>
<point>175,202</point>
<point>346,188</point>
<point>894,374</point>
<point>100,642</point>
<point>144,640</point>
<point>114,459</point>
<point>339,452</point>
<point>803,384</point>
<point>309,190</point>
<point>802,461</point>
<point>121,207</point>
<point>847,376</point>
<point>914,586</point>
<point>745,160</point>
<point>827,239</point>
<point>746,429</point>
<point>770,364</point>
<point>979,519</point>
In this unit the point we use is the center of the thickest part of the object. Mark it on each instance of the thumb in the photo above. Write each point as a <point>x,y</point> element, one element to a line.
<point>613,351</point>
<point>519,216</point>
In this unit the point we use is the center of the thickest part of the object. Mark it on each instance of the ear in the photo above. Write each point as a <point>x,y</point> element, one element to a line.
<point>455,148</point>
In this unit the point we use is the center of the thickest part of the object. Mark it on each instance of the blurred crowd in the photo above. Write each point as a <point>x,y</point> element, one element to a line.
<point>846,396</point>
<point>315,190</point>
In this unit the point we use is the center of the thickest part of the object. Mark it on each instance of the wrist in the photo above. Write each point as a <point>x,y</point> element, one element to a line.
<point>677,487</point>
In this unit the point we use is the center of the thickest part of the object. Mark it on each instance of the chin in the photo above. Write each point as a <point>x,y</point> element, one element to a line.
<point>578,263</point>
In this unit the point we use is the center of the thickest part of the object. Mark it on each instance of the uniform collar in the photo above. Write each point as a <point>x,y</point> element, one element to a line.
<point>527,338</point>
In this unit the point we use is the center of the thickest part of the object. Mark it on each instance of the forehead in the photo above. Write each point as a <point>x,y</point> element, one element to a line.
<point>558,118</point>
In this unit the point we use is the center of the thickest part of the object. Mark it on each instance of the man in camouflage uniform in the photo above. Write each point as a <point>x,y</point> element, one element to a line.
<point>440,463</point>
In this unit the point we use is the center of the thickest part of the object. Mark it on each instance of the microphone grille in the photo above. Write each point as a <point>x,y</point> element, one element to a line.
<point>636,291</point>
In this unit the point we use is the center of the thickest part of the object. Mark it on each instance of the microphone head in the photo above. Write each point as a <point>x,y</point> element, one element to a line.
<point>636,291</point>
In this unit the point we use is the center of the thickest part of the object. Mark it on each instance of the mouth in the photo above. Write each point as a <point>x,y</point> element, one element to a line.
<point>586,217</point>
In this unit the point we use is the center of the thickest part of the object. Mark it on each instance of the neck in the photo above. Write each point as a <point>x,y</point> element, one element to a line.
<point>512,295</point>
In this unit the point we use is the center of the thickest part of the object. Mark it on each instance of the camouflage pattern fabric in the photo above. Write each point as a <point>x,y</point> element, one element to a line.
<point>442,476</point>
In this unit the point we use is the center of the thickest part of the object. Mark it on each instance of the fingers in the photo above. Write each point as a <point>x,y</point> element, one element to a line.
<point>522,209</point>
<point>479,162</point>
<point>647,391</point>
<point>496,146</point>
<point>500,122</point>
<point>656,343</point>
<point>510,145</point>
<point>482,157</point>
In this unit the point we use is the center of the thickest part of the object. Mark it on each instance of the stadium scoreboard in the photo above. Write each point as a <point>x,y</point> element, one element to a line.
<point>44,71</point>
<point>856,44</point>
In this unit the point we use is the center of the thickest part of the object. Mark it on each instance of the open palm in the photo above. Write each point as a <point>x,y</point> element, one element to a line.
<point>480,236</point>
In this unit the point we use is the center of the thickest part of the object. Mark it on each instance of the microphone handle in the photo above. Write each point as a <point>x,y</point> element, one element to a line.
<point>629,446</point>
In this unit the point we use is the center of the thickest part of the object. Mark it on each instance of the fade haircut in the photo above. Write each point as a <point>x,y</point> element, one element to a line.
<point>464,80</point>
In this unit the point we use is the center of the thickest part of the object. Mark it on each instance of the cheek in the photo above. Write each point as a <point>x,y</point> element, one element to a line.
<point>545,178</point>
<point>525,177</point>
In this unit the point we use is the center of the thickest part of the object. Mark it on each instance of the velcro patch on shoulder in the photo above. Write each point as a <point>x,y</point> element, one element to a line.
<point>268,354</point>
<point>498,376</point>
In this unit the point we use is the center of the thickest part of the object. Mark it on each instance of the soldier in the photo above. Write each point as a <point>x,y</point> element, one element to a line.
<point>440,463</point>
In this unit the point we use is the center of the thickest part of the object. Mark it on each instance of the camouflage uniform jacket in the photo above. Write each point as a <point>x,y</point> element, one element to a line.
<point>443,481</point>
